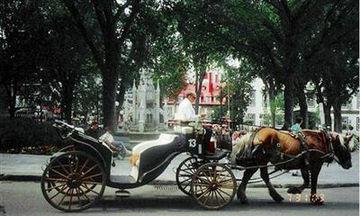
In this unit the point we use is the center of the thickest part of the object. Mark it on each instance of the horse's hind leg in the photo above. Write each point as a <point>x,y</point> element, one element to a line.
<point>242,187</point>
<point>305,176</point>
<point>273,193</point>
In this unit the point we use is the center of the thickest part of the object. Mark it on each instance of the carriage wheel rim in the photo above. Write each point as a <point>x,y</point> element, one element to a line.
<point>184,174</point>
<point>213,186</point>
<point>70,185</point>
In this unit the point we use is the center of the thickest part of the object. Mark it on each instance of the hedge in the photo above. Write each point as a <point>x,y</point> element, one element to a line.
<point>24,134</point>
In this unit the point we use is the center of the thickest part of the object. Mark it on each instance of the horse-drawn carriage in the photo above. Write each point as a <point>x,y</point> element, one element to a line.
<point>77,175</point>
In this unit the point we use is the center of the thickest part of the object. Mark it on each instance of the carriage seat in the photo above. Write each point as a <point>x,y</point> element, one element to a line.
<point>159,147</point>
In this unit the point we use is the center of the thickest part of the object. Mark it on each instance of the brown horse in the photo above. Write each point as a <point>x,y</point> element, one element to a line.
<point>270,145</point>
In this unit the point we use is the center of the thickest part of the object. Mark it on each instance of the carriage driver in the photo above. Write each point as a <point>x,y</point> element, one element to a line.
<point>186,113</point>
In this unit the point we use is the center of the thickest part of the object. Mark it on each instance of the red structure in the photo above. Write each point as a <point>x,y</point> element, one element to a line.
<point>210,92</point>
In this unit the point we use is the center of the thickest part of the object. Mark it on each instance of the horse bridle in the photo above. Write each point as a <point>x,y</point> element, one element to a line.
<point>331,154</point>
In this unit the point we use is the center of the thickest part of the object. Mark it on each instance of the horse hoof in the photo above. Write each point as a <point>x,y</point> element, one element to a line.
<point>316,200</point>
<point>243,199</point>
<point>276,197</point>
<point>294,190</point>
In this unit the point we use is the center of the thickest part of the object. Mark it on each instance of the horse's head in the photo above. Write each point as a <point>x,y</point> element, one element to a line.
<point>342,149</point>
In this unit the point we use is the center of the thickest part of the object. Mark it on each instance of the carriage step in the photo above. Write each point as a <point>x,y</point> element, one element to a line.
<point>125,179</point>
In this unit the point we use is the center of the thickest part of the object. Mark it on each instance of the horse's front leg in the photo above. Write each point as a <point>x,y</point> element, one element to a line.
<point>242,187</point>
<point>306,177</point>
<point>314,198</point>
<point>273,193</point>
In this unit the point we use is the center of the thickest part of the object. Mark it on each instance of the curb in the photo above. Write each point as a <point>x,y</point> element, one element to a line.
<point>35,178</point>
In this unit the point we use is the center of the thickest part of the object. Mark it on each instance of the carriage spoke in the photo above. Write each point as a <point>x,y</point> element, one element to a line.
<point>55,179</point>
<point>200,184</point>
<point>90,177</point>
<point>89,170</point>
<point>63,197</point>
<point>215,172</point>
<point>205,192</point>
<point>217,198</point>
<point>77,194</point>
<point>224,192</point>
<point>207,199</point>
<point>184,175</point>
<point>187,172</point>
<point>61,174</point>
<point>71,196</point>
<point>84,194</point>
<point>54,187</point>
<point>62,167</point>
<point>225,183</point>
<point>202,189</point>
<point>61,190</point>
<point>70,163</point>
<point>221,195</point>
<point>186,180</point>
<point>84,165</point>
<point>204,180</point>
<point>87,188</point>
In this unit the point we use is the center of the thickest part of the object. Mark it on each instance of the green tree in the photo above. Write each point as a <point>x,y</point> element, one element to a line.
<point>281,36</point>
<point>198,38</point>
<point>239,89</point>
<point>114,21</point>
<point>20,30</point>
<point>335,60</point>
<point>273,116</point>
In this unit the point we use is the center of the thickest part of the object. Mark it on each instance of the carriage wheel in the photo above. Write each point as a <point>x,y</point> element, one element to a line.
<point>185,172</point>
<point>73,181</point>
<point>213,186</point>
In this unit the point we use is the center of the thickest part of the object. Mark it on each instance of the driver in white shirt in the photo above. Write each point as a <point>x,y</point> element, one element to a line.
<point>186,111</point>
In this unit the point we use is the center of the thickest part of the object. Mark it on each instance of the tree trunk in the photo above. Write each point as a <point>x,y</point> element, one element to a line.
<point>67,99</point>
<point>221,105</point>
<point>200,74</point>
<point>289,101</point>
<point>303,108</point>
<point>122,91</point>
<point>327,115</point>
<point>12,105</point>
<point>272,104</point>
<point>11,92</point>
<point>109,95</point>
<point>337,117</point>
<point>110,80</point>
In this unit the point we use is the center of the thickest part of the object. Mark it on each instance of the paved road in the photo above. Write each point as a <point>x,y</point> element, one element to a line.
<point>25,198</point>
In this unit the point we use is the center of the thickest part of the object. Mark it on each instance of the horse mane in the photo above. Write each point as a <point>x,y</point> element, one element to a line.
<point>239,146</point>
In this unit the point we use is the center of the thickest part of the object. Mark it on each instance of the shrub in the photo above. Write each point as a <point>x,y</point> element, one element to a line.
<point>19,134</point>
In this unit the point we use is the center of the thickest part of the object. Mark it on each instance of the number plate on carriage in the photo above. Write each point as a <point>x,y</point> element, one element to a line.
<point>192,143</point>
